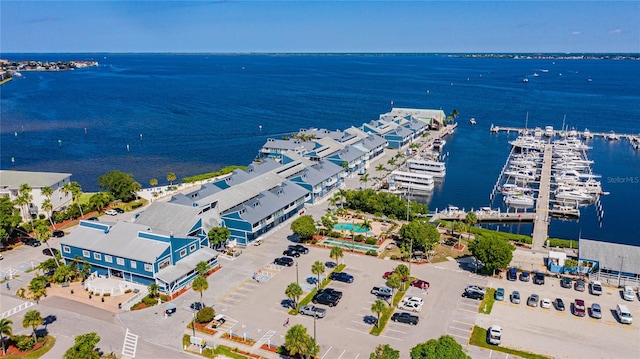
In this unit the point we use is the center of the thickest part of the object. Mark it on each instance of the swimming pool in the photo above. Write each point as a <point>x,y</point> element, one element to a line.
<point>349,227</point>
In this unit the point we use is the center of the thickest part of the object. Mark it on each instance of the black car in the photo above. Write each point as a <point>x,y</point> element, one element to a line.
<point>341,277</point>
<point>291,253</point>
<point>565,282</point>
<point>579,285</point>
<point>58,233</point>
<point>333,292</point>
<point>405,317</point>
<point>525,276</point>
<point>326,298</point>
<point>170,311</point>
<point>538,278</point>
<point>559,304</point>
<point>93,219</point>
<point>119,210</point>
<point>31,242</point>
<point>473,295</point>
<point>299,248</point>
<point>50,252</point>
<point>197,305</point>
<point>284,261</point>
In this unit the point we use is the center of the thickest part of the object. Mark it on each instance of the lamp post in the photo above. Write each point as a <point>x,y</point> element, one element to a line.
<point>297,280</point>
<point>193,323</point>
<point>314,327</point>
<point>620,272</point>
<point>411,241</point>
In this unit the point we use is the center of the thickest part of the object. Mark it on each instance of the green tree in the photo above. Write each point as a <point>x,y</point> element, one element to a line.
<point>84,347</point>
<point>444,347</point>
<point>200,284</point>
<point>393,282</point>
<point>23,199</point>
<point>43,234</point>
<point>380,168</point>
<point>419,235</point>
<point>202,268</point>
<point>47,206</point>
<point>378,307</point>
<point>120,185</point>
<point>494,252</point>
<point>293,292</point>
<point>297,341</point>
<point>385,351</point>
<point>336,253</point>
<point>32,319</point>
<point>304,227</point>
<point>153,182</point>
<point>391,161</point>
<point>218,236</point>
<point>9,217</point>
<point>153,289</point>
<point>570,264</point>
<point>100,200</point>
<point>37,288</point>
<point>470,219</point>
<point>76,191</point>
<point>317,268</point>
<point>327,220</point>
<point>364,179</point>
<point>403,272</point>
<point>5,329</point>
<point>171,177</point>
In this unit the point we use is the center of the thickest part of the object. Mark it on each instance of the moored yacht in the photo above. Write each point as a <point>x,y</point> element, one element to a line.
<point>522,175</point>
<point>519,201</point>
<point>587,134</point>
<point>548,131</point>
<point>438,144</point>
<point>433,168</point>
<point>573,195</point>
<point>415,182</point>
<point>612,136</point>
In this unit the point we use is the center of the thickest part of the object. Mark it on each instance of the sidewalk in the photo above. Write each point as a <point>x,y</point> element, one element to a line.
<point>81,295</point>
<point>216,339</point>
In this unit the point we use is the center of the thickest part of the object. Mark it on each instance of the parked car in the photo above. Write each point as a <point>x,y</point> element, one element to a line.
<point>515,297</point>
<point>473,295</point>
<point>475,288</point>
<point>494,335</point>
<point>284,261</point>
<point>119,210</point>
<point>111,212</point>
<point>312,310</point>
<point>171,310</point>
<point>388,274</point>
<point>595,287</point>
<point>419,283</point>
<point>50,252</point>
<point>545,303</point>
<point>405,317</point>
<point>499,294</point>
<point>411,306</point>
<point>341,277</point>
<point>326,299</point>
<point>532,301</point>
<point>559,304</point>
<point>382,291</point>
<point>58,233</point>
<point>93,219</point>
<point>627,293</point>
<point>299,248</point>
<point>331,291</point>
<point>538,278</point>
<point>197,306</point>
<point>579,308</point>
<point>579,285</point>
<point>31,242</point>
<point>218,320</point>
<point>512,274</point>
<point>414,299</point>
<point>258,242</point>
<point>565,282</point>
<point>595,311</point>
<point>525,276</point>
<point>291,253</point>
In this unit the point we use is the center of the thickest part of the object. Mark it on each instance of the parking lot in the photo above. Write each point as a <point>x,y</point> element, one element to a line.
<point>560,333</point>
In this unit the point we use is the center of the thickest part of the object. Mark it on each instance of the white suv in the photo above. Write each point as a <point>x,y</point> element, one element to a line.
<point>627,293</point>
<point>596,287</point>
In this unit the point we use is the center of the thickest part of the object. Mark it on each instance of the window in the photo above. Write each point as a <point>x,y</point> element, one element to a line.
<point>66,249</point>
<point>85,253</point>
<point>133,264</point>
<point>183,253</point>
<point>97,256</point>
<point>120,261</point>
<point>192,248</point>
<point>108,258</point>
<point>148,267</point>
<point>164,264</point>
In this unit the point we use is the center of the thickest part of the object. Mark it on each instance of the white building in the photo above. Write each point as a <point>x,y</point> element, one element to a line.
<point>10,182</point>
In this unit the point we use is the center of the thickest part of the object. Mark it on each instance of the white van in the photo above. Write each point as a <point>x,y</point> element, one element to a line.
<point>624,315</point>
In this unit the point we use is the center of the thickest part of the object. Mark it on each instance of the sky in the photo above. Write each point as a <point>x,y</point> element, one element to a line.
<point>319,26</point>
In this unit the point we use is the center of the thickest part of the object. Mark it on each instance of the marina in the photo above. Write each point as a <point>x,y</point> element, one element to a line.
<point>586,134</point>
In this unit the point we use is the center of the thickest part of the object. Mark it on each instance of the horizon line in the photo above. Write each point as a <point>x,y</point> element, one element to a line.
<point>330,53</point>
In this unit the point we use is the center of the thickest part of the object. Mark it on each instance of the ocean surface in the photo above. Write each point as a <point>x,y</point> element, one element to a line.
<point>189,114</point>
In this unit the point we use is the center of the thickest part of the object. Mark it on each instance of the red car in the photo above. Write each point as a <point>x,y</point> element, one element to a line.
<point>419,283</point>
<point>388,274</point>
<point>579,308</point>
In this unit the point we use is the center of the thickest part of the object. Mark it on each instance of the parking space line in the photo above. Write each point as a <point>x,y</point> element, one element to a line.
<point>361,323</point>
<point>344,351</point>
<point>464,330</point>
<point>325,354</point>
<point>357,355</point>
<point>468,311</point>
<point>357,331</point>
<point>459,336</point>
<point>397,331</point>
<point>457,321</point>
<point>386,336</point>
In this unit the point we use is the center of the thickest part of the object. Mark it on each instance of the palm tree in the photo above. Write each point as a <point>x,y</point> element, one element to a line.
<point>100,200</point>
<point>336,253</point>
<point>200,284</point>
<point>293,292</point>
<point>391,161</point>
<point>317,268</point>
<point>393,282</point>
<point>378,307</point>
<point>32,319</point>
<point>171,177</point>
<point>380,168</point>
<point>403,272</point>
<point>75,190</point>
<point>202,267</point>
<point>454,113</point>
<point>23,199</point>
<point>153,289</point>
<point>46,204</point>
<point>37,288</point>
<point>153,182</point>
<point>5,329</point>
<point>296,340</point>
<point>43,233</point>
<point>343,196</point>
<point>471,219</point>
<point>364,179</point>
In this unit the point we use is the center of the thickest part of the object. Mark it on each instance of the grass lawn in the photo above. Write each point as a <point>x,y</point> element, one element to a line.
<point>487,303</point>
<point>479,338</point>
<point>51,341</point>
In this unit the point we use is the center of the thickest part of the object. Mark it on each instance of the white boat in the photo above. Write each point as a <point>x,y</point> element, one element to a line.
<point>548,131</point>
<point>472,121</point>
<point>438,143</point>
<point>433,168</point>
<point>522,163</point>
<point>573,133</point>
<point>544,70</point>
<point>612,136</point>
<point>565,166</point>
<point>586,134</point>
<point>527,142</point>
<point>514,189</point>
<point>519,201</point>
<point>415,182</point>
<point>535,74</point>
<point>590,186</point>
<point>573,195</point>
<point>537,132</point>
<point>525,80</point>
<point>521,175</point>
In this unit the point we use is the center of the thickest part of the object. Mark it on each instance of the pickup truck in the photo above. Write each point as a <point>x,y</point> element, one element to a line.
<point>312,310</point>
<point>381,291</point>
<point>218,320</point>
<point>405,317</point>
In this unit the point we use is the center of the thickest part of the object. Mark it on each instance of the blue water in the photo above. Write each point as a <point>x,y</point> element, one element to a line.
<point>199,113</point>
<point>350,227</point>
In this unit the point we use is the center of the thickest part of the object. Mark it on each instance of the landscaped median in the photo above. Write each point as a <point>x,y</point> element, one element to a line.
<point>221,350</point>
<point>384,318</point>
<point>325,282</point>
<point>487,303</point>
<point>479,338</point>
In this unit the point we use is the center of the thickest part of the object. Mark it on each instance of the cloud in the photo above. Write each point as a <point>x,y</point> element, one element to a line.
<point>616,31</point>
<point>576,33</point>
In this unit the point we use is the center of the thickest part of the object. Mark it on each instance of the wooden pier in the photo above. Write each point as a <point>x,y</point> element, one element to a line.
<point>521,130</point>
<point>541,220</point>
<point>488,217</point>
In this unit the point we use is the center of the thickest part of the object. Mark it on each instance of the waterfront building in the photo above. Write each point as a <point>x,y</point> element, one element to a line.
<point>139,253</point>
<point>434,118</point>
<point>319,179</point>
<point>10,182</point>
<point>612,263</point>
<point>350,158</point>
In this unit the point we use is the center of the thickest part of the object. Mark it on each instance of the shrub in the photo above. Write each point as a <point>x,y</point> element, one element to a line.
<point>135,205</point>
<point>371,241</point>
<point>205,315</point>
<point>359,238</point>
<point>127,291</point>
<point>394,257</point>
<point>106,295</point>
<point>24,342</point>
<point>372,253</point>
<point>149,301</point>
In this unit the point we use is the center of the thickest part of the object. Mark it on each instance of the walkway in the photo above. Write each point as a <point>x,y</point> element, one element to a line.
<point>541,221</point>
